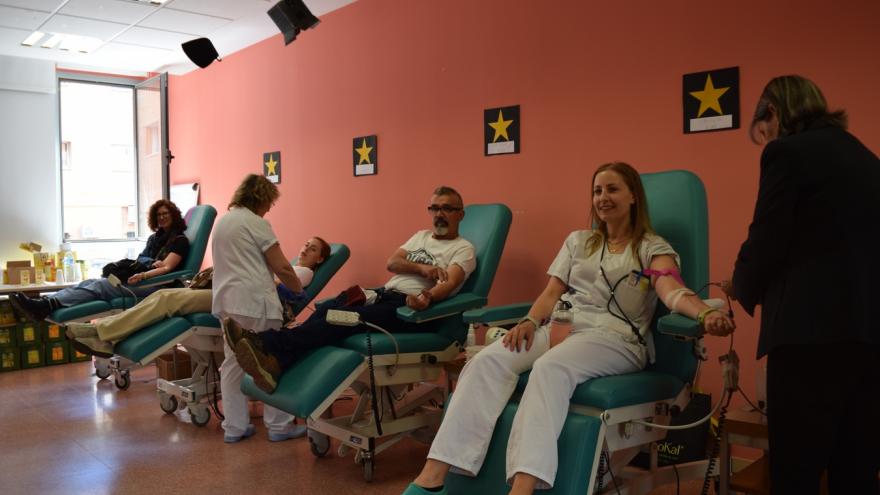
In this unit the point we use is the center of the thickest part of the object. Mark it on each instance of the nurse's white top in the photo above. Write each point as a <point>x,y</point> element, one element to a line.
<point>243,283</point>
<point>589,294</point>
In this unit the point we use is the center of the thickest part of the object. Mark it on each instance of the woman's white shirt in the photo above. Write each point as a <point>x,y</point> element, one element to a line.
<point>243,282</point>
<point>589,293</point>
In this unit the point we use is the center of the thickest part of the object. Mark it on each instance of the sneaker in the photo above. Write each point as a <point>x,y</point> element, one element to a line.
<point>296,431</point>
<point>93,346</point>
<point>77,330</point>
<point>233,332</point>
<point>414,489</point>
<point>264,368</point>
<point>248,432</point>
<point>35,309</point>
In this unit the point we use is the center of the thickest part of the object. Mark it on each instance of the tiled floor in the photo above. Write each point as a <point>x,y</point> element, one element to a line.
<point>64,431</point>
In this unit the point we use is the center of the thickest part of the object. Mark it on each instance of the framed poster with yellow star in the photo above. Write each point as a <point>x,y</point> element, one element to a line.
<point>501,131</point>
<point>711,100</point>
<point>272,166</point>
<point>366,155</point>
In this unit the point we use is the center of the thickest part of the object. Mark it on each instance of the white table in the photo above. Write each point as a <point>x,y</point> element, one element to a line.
<point>6,289</point>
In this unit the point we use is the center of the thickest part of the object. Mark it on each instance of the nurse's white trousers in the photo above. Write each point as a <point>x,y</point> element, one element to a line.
<point>235,403</point>
<point>489,379</point>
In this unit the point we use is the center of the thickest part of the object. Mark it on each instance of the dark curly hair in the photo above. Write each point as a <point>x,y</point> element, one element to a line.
<point>177,223</point>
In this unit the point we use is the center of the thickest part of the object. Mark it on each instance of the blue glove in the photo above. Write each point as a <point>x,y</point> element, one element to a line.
<point>288,295</point>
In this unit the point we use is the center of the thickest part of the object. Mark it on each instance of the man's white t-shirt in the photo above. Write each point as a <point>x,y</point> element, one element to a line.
<point>243,283</point>
<point>425,249</point>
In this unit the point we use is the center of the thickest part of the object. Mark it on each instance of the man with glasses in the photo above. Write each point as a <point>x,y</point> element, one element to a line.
<point>431,266</point>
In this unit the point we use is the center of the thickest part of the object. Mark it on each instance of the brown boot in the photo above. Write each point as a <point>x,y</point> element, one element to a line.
<point>264,368</point>
<point>233,332</point>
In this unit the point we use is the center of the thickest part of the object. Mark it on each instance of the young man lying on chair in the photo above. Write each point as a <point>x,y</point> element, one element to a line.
<point>431,266</point>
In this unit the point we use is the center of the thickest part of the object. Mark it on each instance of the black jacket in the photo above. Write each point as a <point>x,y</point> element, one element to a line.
<point>811,259</point>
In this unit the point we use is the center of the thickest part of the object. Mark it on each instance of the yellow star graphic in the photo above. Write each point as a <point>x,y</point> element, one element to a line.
<point>364,152</point>
<point>709,97</point>
<point>500,127</point>
<point>271,164</point>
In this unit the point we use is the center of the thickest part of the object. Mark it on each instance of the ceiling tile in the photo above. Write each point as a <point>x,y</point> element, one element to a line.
<point>153,37</point>
<point>82,27</point>
<point>230,9</point>
<point>21,18</point>
<point>44,5</point>
<point>184,22</point>
<point>107,10</point>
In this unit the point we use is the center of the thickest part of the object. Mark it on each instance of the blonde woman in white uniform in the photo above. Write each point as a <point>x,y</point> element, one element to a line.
<point>246,255</point>
<point>612,313</point>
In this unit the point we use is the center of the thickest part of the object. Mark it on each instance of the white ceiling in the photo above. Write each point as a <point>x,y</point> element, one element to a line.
<point>138,36</point>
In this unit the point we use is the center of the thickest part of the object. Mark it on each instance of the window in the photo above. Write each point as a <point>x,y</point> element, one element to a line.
<point>105,194</point>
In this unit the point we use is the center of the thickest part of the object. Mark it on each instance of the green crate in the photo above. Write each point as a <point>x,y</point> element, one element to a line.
<point>7,315</point>
<point>29,333</point>
<point>10,358</point>
<point>8,336</point>
<point>52,332</point>
<point>57,352</point>
<point>32,356</point>
<point>76,356</point>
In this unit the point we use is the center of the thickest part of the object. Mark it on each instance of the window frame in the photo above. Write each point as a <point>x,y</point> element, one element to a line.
<point>106,80</point>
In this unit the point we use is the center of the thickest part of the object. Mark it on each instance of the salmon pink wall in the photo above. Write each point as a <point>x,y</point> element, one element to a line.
<point>596,81</point>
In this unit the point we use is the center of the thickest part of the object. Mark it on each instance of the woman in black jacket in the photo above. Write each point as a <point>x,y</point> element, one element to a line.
<point>809,261</point>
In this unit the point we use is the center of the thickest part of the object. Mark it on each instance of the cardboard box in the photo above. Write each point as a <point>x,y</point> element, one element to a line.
<point>14,269</point>
<point>42,259</point>
<point>165,365</point>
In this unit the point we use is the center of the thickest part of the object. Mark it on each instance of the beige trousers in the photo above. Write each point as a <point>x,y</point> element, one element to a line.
<point>156,307</point>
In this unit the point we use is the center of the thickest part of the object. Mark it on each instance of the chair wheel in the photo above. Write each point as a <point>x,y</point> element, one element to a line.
<point>102,369</point>
<point>319,443</point>
<point>122,381</point>
<point>168,403</point>
<point>368,467</point>
<point>199,415</point>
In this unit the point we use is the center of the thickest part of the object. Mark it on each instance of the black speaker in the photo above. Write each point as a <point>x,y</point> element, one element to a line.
<point>291,17</point>
<point>201,51</point>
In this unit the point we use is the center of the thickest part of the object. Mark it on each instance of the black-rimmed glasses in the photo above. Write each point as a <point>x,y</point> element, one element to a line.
<point>434,209</point>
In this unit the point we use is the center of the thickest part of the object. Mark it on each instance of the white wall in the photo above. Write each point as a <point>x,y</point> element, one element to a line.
<point>29,183</point>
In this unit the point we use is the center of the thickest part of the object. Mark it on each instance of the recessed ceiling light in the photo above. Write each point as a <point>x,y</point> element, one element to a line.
<point>33,38</point>
<point>54,40</point>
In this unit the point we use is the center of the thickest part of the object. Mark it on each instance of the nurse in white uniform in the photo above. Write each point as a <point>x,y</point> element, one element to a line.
<point>612,277</point>
<point>246,255</point>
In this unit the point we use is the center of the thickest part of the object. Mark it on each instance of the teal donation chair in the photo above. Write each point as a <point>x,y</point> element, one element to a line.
<point>199,222</point>
<point>201,336</point>
<point>406,369</point>
<point>605,413</point>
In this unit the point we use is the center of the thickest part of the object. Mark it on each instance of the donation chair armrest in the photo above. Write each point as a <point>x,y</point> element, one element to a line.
<point>679,326</point>
<point>164,279</point>
<point>448,307</point>
<point>497,314</point>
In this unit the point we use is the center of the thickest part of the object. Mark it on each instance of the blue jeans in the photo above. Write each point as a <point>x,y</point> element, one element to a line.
<point>98,289</point>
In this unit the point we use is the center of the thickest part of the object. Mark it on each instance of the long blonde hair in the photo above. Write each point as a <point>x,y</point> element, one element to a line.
<point>639,220</point>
